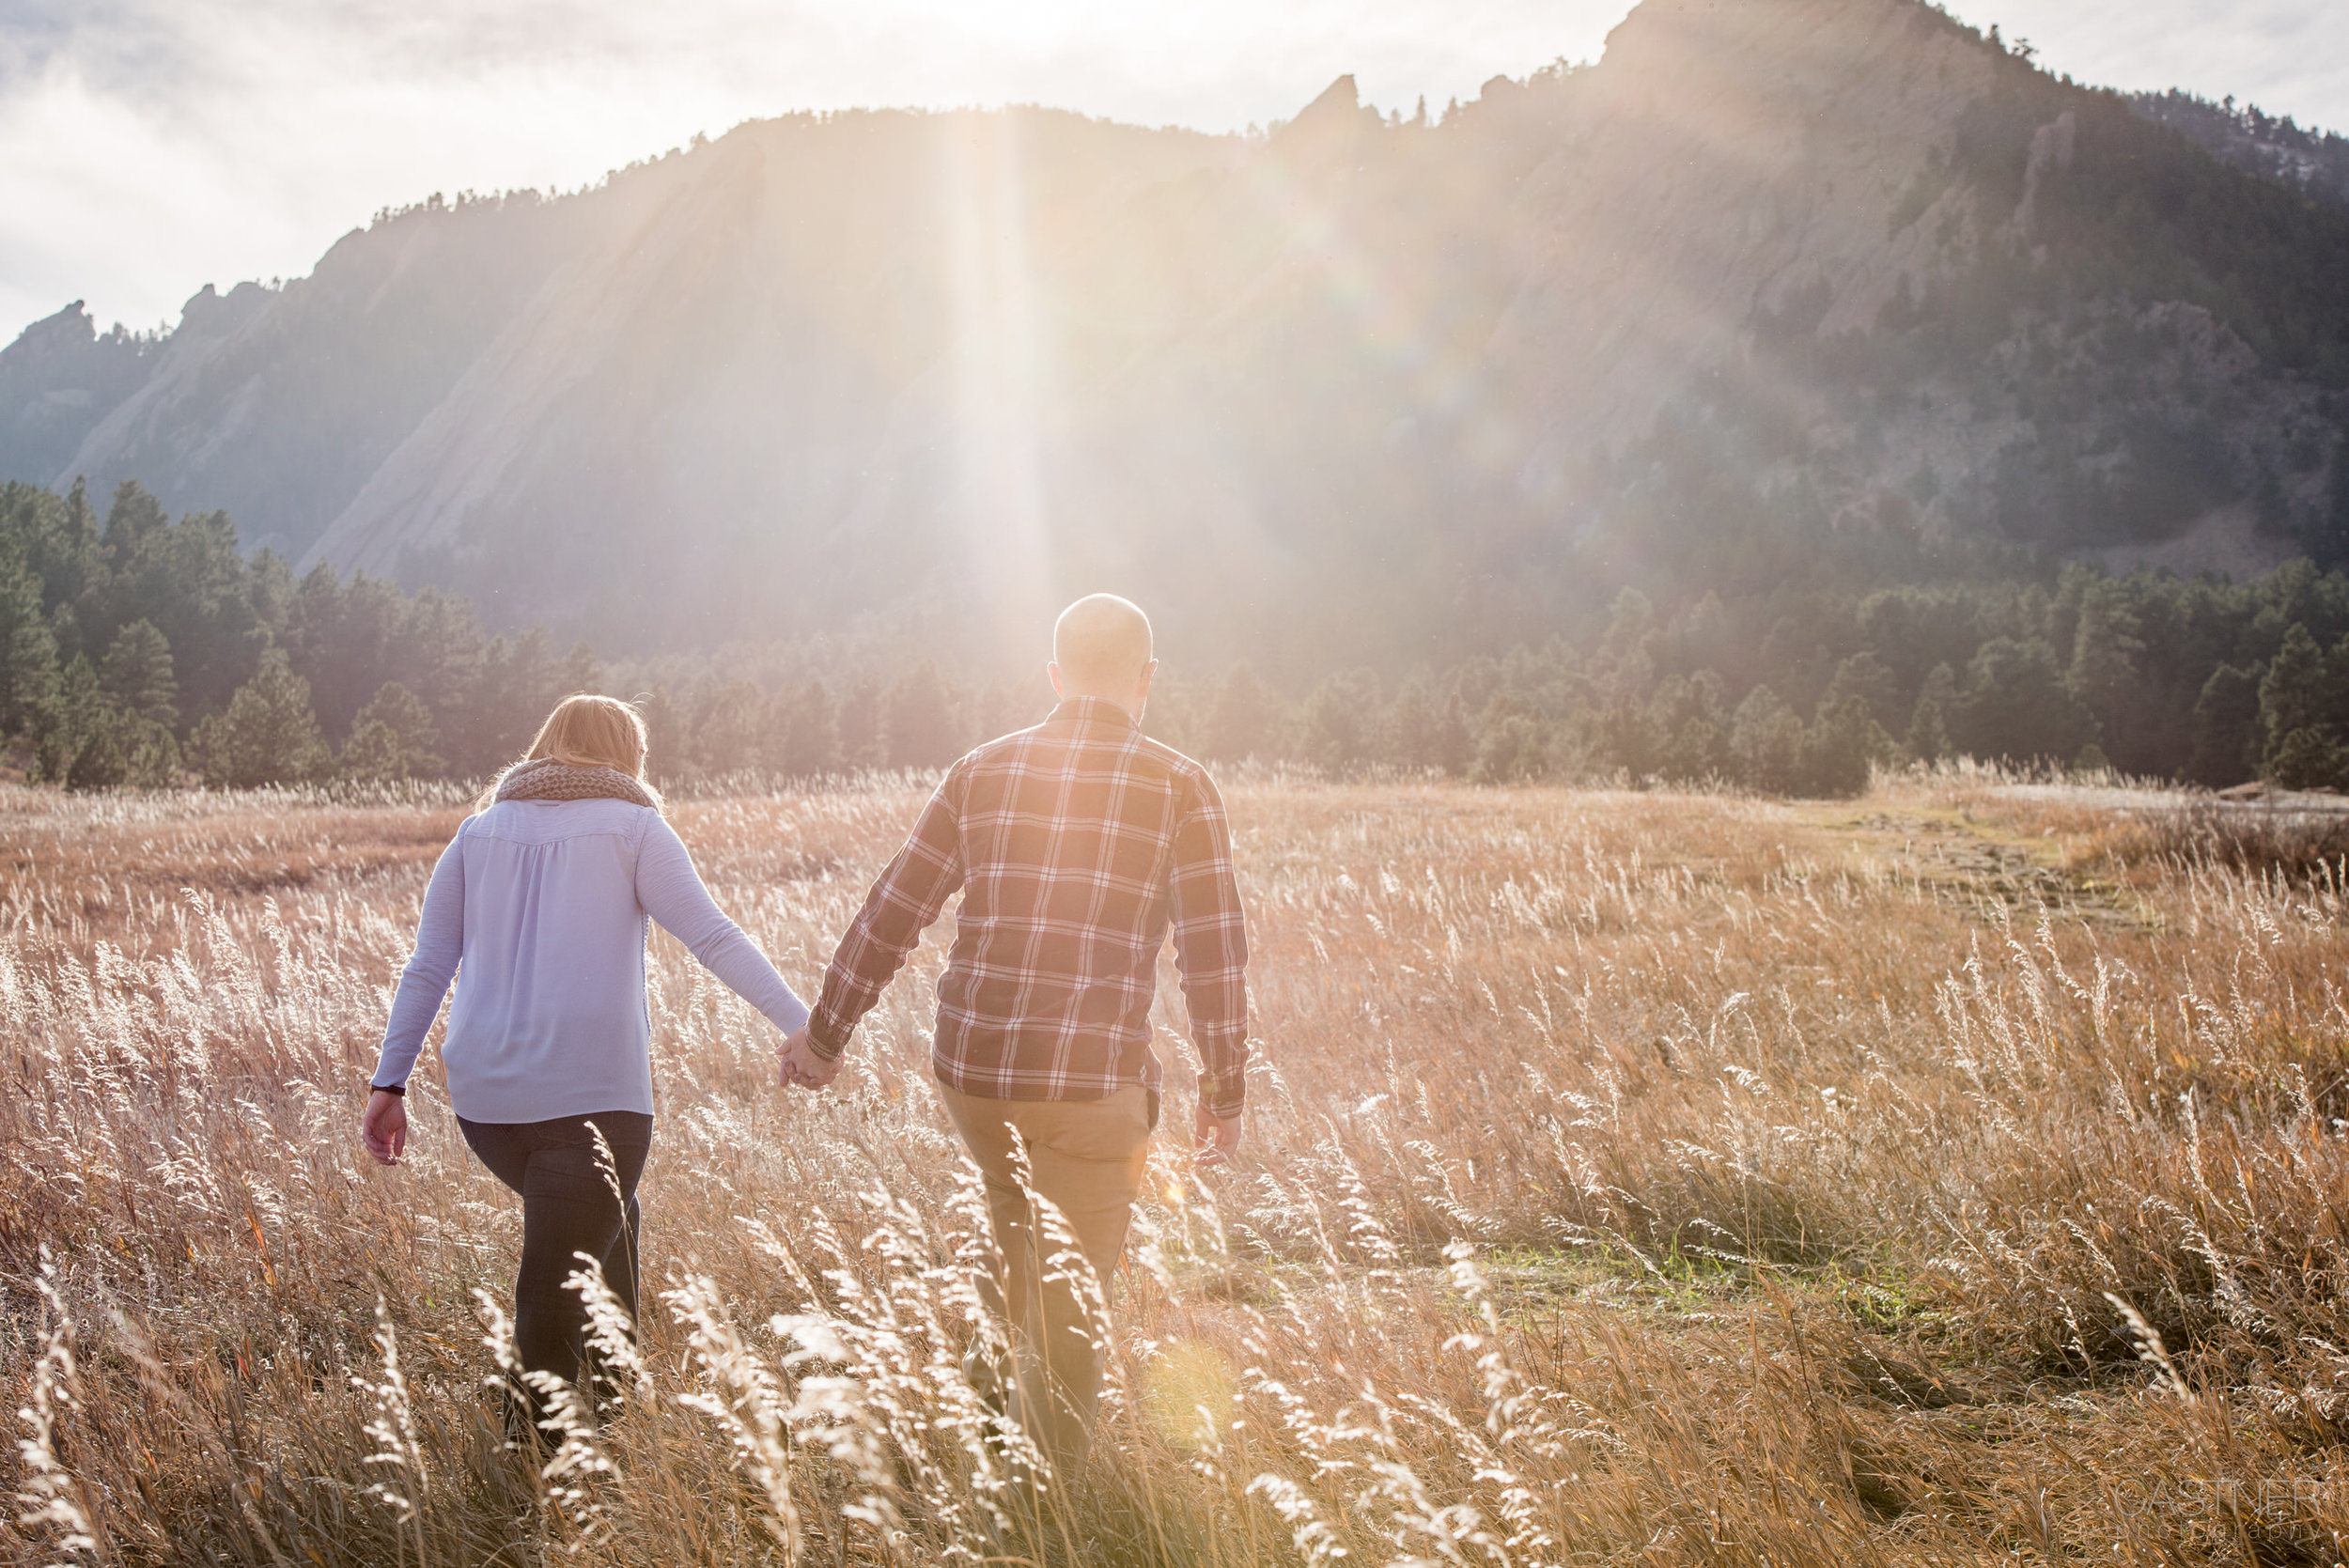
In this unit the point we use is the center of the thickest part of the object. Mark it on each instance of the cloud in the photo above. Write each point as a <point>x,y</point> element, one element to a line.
<point>151,146</point>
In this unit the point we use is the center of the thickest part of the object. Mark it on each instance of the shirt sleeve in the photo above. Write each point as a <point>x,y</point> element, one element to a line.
<point>907,897</point>
<point>423,984</point>
<point>1211,949</point>
<point>672,893</point>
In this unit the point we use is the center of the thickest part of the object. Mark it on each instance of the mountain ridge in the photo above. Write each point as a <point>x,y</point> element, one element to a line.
<point>1883,286</point>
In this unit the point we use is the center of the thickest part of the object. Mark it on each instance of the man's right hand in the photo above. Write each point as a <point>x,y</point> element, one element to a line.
<point>1214,1139</point>
<point>801,1067</point>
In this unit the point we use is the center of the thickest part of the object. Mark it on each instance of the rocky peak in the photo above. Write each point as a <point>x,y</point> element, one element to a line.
<point>210,312</point>
<point>1332,129</point>
<point>1725,159</point>
<point>71,328</point>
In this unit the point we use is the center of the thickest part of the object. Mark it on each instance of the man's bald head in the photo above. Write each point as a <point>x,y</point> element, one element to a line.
<point>1101,648</point>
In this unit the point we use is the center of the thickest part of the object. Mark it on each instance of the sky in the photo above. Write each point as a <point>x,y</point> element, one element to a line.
<point>151,146</point>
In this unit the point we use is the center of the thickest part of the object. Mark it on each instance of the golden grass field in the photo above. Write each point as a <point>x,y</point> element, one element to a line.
<point>1631,1178</point>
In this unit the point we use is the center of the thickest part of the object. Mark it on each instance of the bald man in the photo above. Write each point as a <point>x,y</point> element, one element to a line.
<point>1079,846</point>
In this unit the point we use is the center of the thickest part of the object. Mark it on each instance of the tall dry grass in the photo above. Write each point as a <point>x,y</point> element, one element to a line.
<point>1632,1177</point>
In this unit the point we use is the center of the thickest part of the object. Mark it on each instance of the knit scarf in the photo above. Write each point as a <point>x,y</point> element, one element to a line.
<point>549,779</point>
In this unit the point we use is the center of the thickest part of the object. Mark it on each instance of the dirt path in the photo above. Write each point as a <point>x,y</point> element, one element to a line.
<point>1965,859</point>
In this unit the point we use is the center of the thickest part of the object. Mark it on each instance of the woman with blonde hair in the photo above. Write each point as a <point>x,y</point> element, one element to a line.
<point>537,908</point>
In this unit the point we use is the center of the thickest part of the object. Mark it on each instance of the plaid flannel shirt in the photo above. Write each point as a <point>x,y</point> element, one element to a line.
<point>1078,846</point>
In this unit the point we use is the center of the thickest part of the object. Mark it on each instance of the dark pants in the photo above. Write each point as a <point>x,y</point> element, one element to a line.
<point>571,1203</point>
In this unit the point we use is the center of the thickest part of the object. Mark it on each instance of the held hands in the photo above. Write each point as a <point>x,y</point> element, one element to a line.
<point>1214,1139</point>
<point>384,1127</point>
<point>801,1067</point>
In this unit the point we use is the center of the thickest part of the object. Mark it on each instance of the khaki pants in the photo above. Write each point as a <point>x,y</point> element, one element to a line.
<point>1085,1158</point>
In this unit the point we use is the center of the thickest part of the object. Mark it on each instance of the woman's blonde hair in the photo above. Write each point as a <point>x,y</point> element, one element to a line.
<point>586,731</point>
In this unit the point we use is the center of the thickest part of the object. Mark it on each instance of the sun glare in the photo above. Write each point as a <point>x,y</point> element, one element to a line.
<point>1000,365</point>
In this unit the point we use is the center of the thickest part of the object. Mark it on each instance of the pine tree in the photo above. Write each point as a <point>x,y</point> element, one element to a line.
<point>2018,705</point>
<point>1687,715</point>
<point>1765,743</point>
<point>2302,699</point>
<point>810,729</point>
<point>1243,723</point>
<point>267,734</point>
<point>190,581</point>
<point>1512,746</point>
<point>1006,707</point>
<point>133,518</point>
<point>863,741</point>
<point>97,762</point>
<point>2106,673</point>
<point>919,724</point>
<point>1868,678</point>
<point>136,674</point>
<point>69,722</point>
<point>1843,745</point>
<point>64,553</point>
<point>514,683</point>
<point>391,738</point>
<point>2226,728</point>
<point>1342,720</point>
<point>85,739</point>
<point>728,728</point>
<point>1928,737</point>
<point>28,649</point>
<point>151,753</point>
<point>2307,759</point>
<point>1425,728</point>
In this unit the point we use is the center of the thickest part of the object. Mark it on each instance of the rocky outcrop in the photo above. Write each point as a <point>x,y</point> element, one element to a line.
<point>1726,161</point>
<point>58,381</point>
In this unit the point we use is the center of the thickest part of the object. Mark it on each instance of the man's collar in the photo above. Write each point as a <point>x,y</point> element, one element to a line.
<point>1092,710</point>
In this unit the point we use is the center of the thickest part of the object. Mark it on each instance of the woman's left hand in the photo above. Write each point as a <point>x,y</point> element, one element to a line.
<point>384,1127</point>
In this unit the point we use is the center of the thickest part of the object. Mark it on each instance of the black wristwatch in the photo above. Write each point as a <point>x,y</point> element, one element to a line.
<point>399,1089</point>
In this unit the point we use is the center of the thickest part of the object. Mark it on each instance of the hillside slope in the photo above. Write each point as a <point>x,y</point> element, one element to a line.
<point>1777,287</point>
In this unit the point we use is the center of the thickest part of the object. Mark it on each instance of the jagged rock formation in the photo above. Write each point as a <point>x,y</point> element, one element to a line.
<point>1775,279</point>
<point>60,378</point>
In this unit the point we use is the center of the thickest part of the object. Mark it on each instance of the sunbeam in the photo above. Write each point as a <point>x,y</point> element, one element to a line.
<point>1001,377</point>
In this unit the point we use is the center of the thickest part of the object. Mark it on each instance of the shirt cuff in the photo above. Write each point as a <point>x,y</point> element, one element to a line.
<point>826,1038</point>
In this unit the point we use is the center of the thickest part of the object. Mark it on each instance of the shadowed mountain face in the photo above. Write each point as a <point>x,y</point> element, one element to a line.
<point>1779,287</point>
